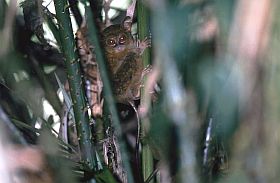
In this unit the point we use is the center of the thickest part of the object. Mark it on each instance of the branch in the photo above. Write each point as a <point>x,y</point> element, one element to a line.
<point>75,82</point>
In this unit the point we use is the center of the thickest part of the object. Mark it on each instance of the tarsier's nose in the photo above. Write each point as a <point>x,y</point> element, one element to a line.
<point>120,48</point>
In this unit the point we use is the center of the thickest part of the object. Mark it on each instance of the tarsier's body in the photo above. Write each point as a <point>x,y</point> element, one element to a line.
<point>124,61</point>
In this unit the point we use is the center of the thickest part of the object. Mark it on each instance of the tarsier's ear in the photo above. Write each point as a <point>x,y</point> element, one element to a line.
<point>127,23</point>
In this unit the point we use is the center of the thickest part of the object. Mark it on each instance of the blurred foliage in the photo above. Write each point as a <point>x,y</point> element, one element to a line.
<point>215,112</point>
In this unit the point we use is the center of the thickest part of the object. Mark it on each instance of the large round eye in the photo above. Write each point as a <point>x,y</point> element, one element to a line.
<point>122,39</point>
<point>111,42</point>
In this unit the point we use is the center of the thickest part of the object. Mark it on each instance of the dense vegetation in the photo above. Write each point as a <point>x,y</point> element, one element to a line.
<point>214,116</point>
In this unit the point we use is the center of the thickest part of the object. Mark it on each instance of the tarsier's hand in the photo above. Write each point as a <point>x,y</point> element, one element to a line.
<point>142,45</point>
<point>146,71</point>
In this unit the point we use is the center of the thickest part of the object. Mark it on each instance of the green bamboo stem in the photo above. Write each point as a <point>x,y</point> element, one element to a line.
<point>108,95</point>
<point>75,82</point>
<point>99,135</point>
<point>143,31</point>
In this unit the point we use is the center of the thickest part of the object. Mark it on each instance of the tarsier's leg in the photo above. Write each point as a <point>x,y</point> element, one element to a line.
<point>139,84</point>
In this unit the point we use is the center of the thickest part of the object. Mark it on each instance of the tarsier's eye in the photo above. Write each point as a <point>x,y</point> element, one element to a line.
<point>111,42</point>
<point>122,39</point>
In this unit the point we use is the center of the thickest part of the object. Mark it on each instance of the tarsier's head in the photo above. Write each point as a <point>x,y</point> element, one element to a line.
<point>117,39</point>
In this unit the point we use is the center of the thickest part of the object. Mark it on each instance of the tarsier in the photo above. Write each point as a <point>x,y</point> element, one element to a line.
<point>124,62</point>
<point>123,55</point>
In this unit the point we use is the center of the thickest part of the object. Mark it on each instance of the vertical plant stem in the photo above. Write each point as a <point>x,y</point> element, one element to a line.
<point>108,95</point>
<point>75,83</point>
<point>99,135</point>
<point>143,31</point>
